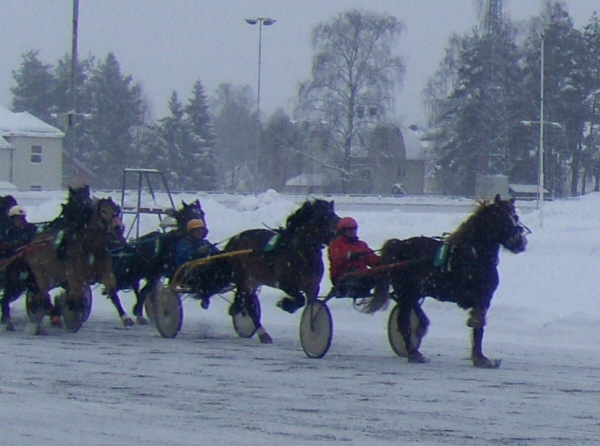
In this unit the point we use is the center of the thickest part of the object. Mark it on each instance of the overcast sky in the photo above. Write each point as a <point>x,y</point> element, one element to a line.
<point>168,44</point>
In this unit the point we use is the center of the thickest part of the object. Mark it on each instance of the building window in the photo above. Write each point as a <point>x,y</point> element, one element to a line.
<point>36,154</point>
<point>36,187</point>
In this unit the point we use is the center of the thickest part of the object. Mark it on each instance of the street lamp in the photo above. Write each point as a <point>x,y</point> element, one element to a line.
<point>267,22</point>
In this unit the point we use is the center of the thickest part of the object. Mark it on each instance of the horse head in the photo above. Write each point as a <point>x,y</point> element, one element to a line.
<point>79,208</point>
<point>316,219</point>
<point>6,203</point>
<point>108,215</point>
<point>503,221</point>
<point>188,211</point>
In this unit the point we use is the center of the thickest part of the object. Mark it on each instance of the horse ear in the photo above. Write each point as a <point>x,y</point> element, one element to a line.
<point>199,204</point>
<point>183,203</point>
<point>331,204</point>
<point>498,198</point>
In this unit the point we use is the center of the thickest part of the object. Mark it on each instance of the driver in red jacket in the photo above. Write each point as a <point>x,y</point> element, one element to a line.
<point>348,254</point>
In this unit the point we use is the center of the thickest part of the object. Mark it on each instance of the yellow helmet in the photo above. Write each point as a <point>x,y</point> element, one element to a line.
<point>193,224</point>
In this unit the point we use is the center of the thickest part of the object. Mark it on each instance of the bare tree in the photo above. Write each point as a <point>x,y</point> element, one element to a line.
<point>354,77</point>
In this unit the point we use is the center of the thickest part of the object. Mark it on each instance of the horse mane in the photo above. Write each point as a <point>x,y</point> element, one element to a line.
<point>300,216</point>
<point>77,211</point>
<point>466,227</point>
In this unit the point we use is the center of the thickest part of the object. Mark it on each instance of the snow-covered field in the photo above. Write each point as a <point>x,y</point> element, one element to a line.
<point>111,385</point>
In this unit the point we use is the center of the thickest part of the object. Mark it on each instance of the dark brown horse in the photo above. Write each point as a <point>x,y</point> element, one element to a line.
<point>461,269</point>
<point>150,258</point>
<point>72,253</point>
<point>289,259</point>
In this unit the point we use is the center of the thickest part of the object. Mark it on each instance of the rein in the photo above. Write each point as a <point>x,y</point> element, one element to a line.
<point>24,250</point>
<point>138,243</point>
<point>377,270</point>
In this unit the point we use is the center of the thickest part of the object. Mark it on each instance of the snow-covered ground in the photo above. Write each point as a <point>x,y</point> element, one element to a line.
<point>111,385</point>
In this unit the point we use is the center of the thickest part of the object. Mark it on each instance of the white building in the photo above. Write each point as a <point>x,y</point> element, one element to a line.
<point>30,152</point>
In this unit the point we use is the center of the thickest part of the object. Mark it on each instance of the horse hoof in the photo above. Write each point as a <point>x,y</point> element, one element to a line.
<point>204,303</point>
<point>417,358</point>
<point>289,305</point>
<point>127,321</point>
<point>142,321</point>
<point>10,326</point>
<point>265,338</point>
<point>485,363</point>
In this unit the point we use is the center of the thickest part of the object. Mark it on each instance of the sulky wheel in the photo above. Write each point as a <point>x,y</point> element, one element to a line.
<point>395,337</point>
<point>88,304</point>
<point>150,303</point>
<point>316,329</point>
<point>169,312</point>
<point>243,322</point>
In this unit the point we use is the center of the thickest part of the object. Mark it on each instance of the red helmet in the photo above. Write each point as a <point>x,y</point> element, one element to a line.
<point>346,223</point>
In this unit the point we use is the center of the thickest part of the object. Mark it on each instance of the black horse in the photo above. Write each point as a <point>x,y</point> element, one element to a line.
<point>6,203</point>
<point>461,269</point>
<point>289,259</point>
<point>150,258</point>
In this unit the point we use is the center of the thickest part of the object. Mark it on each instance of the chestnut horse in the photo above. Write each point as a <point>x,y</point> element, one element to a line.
<point>289,259</point>
<point>461,269</point>
<point>71,252</point>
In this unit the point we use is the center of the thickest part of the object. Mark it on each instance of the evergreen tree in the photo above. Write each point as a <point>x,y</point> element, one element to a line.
<point>34,88</point>
<point>280,157</point>
<point>116,110</point>
<point>202,152</point>
<point>235,129</point>
<point>591,148</point>
<point>474,121</point>
<point>565,61</point>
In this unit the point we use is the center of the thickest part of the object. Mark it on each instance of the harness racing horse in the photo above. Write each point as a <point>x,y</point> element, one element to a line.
<point>464,272</point>
<point>150,257</point>
<point>289,259</point>
<point>72,253</point>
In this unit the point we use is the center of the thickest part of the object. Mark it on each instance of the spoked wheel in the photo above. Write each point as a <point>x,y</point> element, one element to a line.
<point>395,337</point>
<point>316,329</point>
<point>35,309</point>
<point>169,312</point>
<point>243,322</point>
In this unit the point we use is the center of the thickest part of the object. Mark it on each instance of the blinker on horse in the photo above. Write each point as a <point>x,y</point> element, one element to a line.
<point>466,275</point>
<point>289,259</point>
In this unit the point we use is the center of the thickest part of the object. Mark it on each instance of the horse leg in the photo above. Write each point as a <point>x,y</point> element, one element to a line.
<point>38,305</point>
<point>138,308</point>
<point>292,303</point>
<point>404,325</point>
<point>477,322</point>
<point>125,319</point>
<point>251,305</point>
<point>423,321</point>
<point>5,304</point>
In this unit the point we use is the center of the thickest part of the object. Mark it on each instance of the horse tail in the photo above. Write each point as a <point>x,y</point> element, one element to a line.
<point>381,297</point>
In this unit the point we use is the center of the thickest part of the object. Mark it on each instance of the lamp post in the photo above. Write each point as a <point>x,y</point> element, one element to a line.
<point>267,21</point>
<point>541,122</point>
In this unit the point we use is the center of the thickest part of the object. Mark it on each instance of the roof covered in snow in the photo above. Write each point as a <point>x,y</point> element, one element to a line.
<point>4,144</point>
<point>25,124</point>
<point>309,179</point>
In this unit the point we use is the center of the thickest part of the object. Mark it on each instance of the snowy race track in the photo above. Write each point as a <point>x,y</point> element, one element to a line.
<point>111,385</point>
